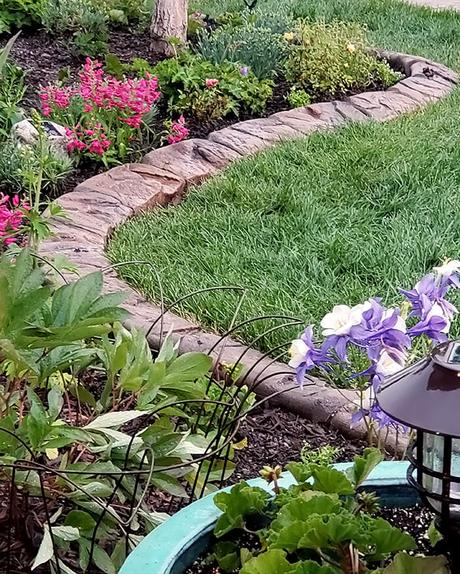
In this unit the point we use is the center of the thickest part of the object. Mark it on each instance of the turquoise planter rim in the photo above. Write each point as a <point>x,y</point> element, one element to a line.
<point>160,550</point>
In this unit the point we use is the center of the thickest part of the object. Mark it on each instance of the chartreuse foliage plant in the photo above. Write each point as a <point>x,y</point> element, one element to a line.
<point>94,451</point>
<point>317,526</point>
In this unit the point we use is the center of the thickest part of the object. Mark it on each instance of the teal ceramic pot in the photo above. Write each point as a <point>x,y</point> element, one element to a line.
<point>174,545</point>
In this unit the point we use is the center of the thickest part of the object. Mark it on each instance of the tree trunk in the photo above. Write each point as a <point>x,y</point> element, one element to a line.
<point>169,26</point>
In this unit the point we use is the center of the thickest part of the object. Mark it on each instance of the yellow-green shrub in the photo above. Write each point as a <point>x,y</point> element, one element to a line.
<point>330,59</point>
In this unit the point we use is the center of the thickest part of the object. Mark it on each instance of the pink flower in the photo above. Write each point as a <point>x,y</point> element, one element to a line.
<point>178,131</point>
<point>211,82</point>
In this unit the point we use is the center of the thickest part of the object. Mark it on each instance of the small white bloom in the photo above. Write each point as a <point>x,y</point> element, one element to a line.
<point>342,318</point>
<point>297,352</point>
<point>448,268</point>
<point>386,365</point>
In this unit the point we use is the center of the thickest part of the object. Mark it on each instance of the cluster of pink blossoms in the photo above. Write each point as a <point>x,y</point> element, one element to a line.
<point>178,131</point>
<point>101,99</point>
<point>11,217</point>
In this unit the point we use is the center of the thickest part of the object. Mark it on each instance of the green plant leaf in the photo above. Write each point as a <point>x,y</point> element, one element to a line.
<point>227,555</point>
<point>190,366</point>
<point>388,540</point>
<point>271,562</point>
<point>364,465</point>
<point>45,551</point>
<point>103,561</point>
<point>240,502</point>
<point>331,481</point>
<point>66,533</point>
<point>116,419</point>
<point>434,536</point>
<point>81,520</point>
<point>406,564</point>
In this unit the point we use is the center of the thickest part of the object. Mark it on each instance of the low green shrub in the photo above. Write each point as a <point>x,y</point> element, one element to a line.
<point>17,14</point>
<point>86,22</point>
<point>331,59</point>
<point>298,98</point>
<point>262,50</point>
<point>12,89</point>
<point>210,91</point>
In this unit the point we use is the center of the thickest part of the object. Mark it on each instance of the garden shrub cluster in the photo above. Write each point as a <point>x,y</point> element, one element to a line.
<point>140,415</point>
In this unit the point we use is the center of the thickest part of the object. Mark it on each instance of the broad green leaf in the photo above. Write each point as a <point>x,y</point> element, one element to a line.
<point>406,564</point>
<point>387,539</point>
<point>271,562</point>
<point>310,567</point>
<point>240,502</point>
<point>364,465</point>
<point>103,561</point>
<point>190,366</point>
<point>66,533</point>
<point>227,555</point>
<point>115,419</point>
<point>300,509</point>
<point>37,421</point>
<point>81,520</point>
<point>55,403</point>
<point>169,484</point>
<point>45,551</point>
<point>331,481</point>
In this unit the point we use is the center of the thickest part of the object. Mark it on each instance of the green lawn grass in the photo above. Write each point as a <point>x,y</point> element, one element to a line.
<point>334,218</point>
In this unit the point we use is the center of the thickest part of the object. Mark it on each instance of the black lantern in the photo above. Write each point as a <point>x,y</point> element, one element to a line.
<point>426,397</point>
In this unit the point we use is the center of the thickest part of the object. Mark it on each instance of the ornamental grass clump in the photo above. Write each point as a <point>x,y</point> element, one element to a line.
<point>332,59</point>
<point>364,344</point>
<point>105,118</point>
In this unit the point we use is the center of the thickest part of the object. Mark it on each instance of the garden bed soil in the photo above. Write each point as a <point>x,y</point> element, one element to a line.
<point>45,58</point>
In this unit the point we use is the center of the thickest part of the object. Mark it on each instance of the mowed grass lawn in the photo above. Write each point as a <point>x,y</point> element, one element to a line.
<point>334,218</point>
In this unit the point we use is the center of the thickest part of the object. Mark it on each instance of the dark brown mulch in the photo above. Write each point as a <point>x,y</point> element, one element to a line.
<point>276,437</point>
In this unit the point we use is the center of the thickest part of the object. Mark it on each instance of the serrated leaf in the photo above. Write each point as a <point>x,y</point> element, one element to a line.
<point>364,465</point>
<point>331,481</point>
<point>387,540</point>
<point>406,564</point>
<point>271,562</point>
<point>240,502</point>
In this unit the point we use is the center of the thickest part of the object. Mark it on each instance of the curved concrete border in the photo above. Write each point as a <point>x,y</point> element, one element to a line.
<point>174,545</point>
<point>101,203</point>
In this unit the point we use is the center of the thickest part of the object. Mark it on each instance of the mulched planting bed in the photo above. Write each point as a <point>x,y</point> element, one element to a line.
<point>44,58</point>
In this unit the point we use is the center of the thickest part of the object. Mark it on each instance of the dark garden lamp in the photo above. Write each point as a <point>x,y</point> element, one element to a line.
<point>426,397</point>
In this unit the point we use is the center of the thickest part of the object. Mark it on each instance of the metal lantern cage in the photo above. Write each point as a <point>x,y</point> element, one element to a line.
<point>426,397</point>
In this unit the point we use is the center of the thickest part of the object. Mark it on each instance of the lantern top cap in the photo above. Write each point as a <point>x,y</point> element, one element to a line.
<point>426,395</point>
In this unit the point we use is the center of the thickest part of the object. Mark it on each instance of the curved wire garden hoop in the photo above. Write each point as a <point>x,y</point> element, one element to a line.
<point>36,489</point>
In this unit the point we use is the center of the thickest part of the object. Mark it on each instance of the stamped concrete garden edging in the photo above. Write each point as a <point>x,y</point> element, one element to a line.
<point>174,545</point>
<point>105,201</point>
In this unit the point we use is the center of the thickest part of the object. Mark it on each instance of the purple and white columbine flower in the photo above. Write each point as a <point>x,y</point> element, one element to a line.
<point>244,70</point>
<point>305,356</point>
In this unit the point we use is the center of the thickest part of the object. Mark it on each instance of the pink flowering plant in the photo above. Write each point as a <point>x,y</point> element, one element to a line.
<point>364,344</point>
<point>13,219</point>
<point>177,130</point>
<point>105,118</point>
